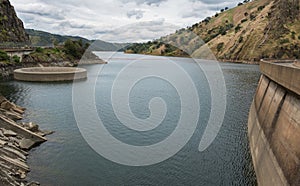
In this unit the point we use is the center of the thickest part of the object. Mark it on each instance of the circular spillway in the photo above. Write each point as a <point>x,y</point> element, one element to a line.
<point>48,74</point>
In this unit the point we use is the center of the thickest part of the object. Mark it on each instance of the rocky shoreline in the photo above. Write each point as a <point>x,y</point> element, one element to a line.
<point>16,140</point>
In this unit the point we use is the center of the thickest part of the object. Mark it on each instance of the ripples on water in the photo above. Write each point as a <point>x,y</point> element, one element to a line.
<point>66,159</point>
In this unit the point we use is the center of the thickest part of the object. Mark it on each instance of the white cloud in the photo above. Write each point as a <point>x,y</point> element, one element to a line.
<point>115,20</point>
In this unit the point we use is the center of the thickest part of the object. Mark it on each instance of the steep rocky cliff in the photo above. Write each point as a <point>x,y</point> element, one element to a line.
<point>11,27</point>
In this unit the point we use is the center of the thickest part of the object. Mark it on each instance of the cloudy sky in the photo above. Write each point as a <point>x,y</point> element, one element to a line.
<point>116,20</point>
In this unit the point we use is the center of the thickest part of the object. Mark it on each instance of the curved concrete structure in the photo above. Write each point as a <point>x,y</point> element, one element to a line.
<point>48,74</point>
<point>274,125</point>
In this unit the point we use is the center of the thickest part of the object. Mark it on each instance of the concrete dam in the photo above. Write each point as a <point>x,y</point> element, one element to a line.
<point>274,125</point>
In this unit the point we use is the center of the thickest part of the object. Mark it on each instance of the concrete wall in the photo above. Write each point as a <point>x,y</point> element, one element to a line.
<point>23,75</point>
<point>274,125</point>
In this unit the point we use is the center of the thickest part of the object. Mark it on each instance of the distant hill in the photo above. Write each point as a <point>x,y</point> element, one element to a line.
<point>251,31</point>
<point>41,38</point>
<point>11,27</point>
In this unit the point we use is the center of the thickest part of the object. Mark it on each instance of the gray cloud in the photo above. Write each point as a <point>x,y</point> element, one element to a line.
<point>42,10</point>
<point>109,19</point>
<point>138,14</point>
<point>204,8</point>
<point>148,2</point>
<point>145,31</point>
<point>214,2</point>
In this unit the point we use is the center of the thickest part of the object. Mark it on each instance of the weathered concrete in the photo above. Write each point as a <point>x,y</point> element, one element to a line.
<point>274,125</point>
<point>284,74</point>
<point>48,74</point>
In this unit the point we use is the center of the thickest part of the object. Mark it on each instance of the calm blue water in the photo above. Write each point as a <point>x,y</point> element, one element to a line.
<point>67,159</point>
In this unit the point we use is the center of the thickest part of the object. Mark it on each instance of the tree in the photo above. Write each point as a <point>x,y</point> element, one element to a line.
<point>73,49</point>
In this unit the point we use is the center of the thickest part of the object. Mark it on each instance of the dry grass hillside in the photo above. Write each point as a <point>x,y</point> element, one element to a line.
<point>251,31</point>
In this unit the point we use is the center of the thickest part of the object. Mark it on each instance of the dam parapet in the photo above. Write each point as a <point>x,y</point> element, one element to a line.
<point>274,124</point>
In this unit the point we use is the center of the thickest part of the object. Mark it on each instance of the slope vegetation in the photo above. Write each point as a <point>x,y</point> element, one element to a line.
<point>251,31</point>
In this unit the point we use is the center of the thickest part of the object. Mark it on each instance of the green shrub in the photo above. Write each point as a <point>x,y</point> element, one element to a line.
<point>4,56</point>
<point>260,8</point>
<point>244,20</point>
<point>220,46</point>
<point>241,39</point>
<point>252,17</point>
<point>293,35</point>
<point>283,41</point>
<point>16,59</point>
<point>237,28</point>
<point>39,50</point>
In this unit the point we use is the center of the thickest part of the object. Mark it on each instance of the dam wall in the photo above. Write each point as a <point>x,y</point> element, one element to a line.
<point>274,125</point>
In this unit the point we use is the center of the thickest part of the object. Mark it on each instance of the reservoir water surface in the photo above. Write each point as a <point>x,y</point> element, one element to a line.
<point>67,159</point>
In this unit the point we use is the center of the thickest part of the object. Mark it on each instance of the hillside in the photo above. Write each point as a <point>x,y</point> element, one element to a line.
<point>41,38</point>
<point>248,32</point>
<point>11,27</point>
<point>68,51</point>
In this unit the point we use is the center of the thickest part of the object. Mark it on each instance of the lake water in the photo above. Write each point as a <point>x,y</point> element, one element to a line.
<point>67,159</point>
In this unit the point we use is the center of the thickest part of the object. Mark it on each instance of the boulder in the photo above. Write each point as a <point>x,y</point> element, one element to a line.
<point>33,184</point>
<point>21,174</point>
<point>1,133</point>
<point>3,143</point>
<point>2,99</point>
<point>44,133</point>
<point>9,133</point>
<point>32,127</point>
<point>13,115</point>
<point>26,144</point>
<point>18,110</point>
<point>7,105</point>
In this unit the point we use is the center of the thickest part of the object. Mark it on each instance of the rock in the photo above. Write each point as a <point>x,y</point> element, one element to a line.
<point>7,105</point>
<point>14,139</point>
<point>13,115</point>
<point>45,133</point>
<point>9,133</point>
<point>26,144</point>
<point>18,110</point>
<point>4,138</point>
<point>3,143</point>
<point>2,99</point>
<point>21,174</point>
<point>15,152</point>
<point>33,184</point>
<point>16,144</point>
<point>1,133</point>
<point>32,127</point>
